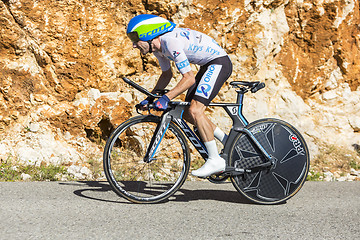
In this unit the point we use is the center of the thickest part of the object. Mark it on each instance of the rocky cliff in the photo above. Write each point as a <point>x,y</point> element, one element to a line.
<point>60,95</point>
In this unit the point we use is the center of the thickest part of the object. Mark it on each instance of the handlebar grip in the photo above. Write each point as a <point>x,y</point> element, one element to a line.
<point>149,106</point>
<point>258,87</point>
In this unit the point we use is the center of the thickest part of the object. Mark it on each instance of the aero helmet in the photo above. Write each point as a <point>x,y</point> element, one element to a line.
<point>146,27</point>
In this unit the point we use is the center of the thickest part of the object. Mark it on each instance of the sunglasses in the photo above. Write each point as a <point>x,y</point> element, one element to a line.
<point>134,37</point>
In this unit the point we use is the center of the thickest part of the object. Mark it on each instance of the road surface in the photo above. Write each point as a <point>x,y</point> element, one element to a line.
<point>200,210</point>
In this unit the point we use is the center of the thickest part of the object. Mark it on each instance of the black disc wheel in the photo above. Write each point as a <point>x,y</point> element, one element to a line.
<point>288,174</point>
<point>139,181</point>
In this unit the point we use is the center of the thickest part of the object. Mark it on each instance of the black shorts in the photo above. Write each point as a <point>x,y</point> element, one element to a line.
<point>209,80</point>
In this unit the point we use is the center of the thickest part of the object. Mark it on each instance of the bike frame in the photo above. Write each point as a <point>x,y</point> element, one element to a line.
<point>234,111</point>
<point>257,175</point>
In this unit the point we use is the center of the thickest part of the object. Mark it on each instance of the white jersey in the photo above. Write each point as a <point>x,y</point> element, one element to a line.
<point>185,46</point>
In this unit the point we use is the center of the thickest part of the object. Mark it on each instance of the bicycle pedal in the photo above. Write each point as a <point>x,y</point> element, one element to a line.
<point>202,177</point>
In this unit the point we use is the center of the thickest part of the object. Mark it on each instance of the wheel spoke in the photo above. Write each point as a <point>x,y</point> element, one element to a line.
<point>137,180</point>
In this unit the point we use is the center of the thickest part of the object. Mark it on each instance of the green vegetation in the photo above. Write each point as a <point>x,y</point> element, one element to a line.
<point>13,170</point>
<point>96,167</point>
<point>335,159</point>
<point>10,172</point>
<point>355,165</point>
<point>314,176</point>
<point>331,158</point>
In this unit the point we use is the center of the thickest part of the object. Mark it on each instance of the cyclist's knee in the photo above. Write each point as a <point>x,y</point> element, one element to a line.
<point>196,109</point>
<point>187,116</point>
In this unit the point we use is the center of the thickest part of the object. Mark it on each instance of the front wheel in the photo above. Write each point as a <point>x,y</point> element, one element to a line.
<point>289,150</point>
<point>142,182</point>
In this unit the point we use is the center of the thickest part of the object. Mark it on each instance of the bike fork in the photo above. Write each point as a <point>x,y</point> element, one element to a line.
<point>157,137</point>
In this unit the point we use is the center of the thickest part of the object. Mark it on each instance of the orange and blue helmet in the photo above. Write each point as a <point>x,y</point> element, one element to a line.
<point>146,27</point>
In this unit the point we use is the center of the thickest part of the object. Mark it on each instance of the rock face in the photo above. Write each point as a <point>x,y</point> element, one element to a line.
<point>60,94</point>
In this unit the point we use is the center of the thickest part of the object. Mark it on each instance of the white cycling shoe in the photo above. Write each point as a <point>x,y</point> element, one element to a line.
<point>211,166</point>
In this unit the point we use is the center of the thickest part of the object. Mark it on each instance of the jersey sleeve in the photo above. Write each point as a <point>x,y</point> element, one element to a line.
<point>175,48</point>
<point>163,62</point>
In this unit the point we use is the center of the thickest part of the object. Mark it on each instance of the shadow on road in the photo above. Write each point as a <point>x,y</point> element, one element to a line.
<point>182,195</point>
<point>92,188</point>
<point>187,195</point>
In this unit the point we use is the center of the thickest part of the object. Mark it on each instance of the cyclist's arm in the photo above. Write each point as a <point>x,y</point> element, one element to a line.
<point>188,79</point>
<point>176,49</point>
<point>163,80</point>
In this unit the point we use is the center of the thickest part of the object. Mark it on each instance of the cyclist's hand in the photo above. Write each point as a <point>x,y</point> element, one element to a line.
<point>162,103</point>
<point>143,104</point>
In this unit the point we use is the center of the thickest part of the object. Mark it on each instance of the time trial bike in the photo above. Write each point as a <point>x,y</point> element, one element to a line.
<point>147,158</point>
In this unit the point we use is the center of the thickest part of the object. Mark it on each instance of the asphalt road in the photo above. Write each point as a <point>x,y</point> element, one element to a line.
<point>200,210</point>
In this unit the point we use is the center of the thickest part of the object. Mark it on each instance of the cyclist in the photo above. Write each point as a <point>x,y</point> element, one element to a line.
<point>157,35</point>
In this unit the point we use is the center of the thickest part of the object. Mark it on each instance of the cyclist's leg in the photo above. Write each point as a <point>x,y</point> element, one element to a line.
<point>217,72</point>
<point>190,95</point>
<point>203,123</point>
<point>218,133</point>
<point>208,83</point>
<point>187,116</point>
<point>214,163</point>
<point>209,80</point>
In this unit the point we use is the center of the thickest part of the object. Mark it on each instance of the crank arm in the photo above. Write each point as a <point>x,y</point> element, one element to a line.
<point>232,171</point>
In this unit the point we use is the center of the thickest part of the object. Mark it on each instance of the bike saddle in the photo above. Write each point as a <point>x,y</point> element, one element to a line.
<point>244,83</point>
<point>254,86</point>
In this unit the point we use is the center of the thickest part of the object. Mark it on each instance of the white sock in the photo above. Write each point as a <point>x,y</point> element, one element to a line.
<point>220,135</point>
<point>212,149</point>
